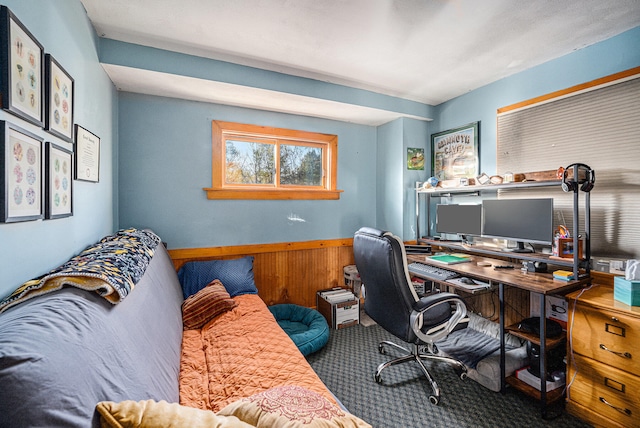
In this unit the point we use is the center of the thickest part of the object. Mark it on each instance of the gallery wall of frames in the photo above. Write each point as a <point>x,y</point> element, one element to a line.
<point>36,175</point>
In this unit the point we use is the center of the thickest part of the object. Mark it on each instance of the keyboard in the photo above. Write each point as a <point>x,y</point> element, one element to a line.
<point>431,272</point>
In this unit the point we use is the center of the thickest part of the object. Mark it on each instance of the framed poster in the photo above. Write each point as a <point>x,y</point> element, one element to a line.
<point>21,69</point>
<point>21,172</point>
<point>454,153</point>
<point>87,155</point>
<point>59,91</point>
<point>59,187</point>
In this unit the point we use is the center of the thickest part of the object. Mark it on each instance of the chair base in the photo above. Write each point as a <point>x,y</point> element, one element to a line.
<point>416,355</point>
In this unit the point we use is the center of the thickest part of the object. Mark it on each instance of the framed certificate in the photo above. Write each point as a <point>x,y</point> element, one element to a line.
<point>87,155</point>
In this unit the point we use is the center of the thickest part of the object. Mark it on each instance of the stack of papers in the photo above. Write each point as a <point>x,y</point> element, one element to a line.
<point>563,275</point>
<point>337,295</point>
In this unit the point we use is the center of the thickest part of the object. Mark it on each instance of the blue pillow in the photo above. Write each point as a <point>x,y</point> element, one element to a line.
<point>236,275</point>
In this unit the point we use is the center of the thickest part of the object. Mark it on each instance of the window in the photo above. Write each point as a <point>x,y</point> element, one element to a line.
<point>257,162</point>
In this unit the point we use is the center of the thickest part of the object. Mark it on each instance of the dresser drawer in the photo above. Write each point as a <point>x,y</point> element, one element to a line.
<point>607,336</point>
<point>605,390</point>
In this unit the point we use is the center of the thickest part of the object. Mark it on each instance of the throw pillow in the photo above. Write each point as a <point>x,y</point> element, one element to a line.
<point>291,407</point>
<point>152,414</point>
<point>205,305</point>
<point>235,274</point>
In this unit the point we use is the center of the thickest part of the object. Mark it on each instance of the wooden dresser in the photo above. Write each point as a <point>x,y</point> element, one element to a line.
<point>604,358</point>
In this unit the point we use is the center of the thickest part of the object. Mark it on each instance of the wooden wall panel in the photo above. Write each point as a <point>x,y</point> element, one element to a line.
<point>284,272</point>
<point>293,272</point>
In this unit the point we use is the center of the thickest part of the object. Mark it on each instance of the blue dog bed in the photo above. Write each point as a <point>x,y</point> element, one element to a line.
<point>305,326</point>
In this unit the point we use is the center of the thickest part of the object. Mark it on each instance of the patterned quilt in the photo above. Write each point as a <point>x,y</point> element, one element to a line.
<point>111,267</point>
<point>240,353</point>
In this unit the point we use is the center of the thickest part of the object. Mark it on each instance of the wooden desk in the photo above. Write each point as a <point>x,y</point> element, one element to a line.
<point>542,283</point>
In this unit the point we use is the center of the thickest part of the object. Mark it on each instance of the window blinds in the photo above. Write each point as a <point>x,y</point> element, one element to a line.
<point>601,128</point>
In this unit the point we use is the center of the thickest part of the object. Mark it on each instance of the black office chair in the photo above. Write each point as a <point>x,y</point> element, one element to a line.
<point>392,302</point>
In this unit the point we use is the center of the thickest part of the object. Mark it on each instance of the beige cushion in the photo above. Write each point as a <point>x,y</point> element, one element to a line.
<point>152,414</point>
<point>205,305</point>
<point>290,407</point>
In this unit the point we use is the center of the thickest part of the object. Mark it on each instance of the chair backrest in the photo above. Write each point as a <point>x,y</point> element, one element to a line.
<point>389,294</point>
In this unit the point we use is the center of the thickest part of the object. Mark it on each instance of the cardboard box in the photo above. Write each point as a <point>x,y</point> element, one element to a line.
<point>339,314</point>
<point>625,291</point>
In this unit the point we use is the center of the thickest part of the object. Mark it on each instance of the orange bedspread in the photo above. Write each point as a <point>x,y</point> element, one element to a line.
<point>240,353</point>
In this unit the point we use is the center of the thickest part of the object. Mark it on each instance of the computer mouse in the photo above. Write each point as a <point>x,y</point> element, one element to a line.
<point>467,281</point>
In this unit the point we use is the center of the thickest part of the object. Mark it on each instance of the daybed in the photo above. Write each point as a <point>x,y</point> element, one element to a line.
<point>93,350</point>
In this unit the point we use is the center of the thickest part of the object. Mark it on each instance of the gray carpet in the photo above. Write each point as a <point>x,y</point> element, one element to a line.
<point>348,362</point>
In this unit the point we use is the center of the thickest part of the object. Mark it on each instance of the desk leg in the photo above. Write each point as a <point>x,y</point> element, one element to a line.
<point>543,354</point>
<point>502,346</point>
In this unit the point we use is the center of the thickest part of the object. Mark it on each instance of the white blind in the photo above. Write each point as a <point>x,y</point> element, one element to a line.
<point>600,128</point>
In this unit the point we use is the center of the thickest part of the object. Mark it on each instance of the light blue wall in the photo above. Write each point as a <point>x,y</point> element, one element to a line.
<point>605,58</point>
<point>29,249</point>
<point>165,162</point>
<point>156,152</point>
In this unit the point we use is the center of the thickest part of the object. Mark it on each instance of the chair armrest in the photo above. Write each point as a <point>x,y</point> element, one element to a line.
<point>434,299</point>
<point>442,330</point>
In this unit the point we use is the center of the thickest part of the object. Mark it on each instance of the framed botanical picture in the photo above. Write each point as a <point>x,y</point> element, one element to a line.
<point>21,69</point>
<point>59,91</point>
<point>454,153</point>
<point>87,155</point>
<point>59,187</point>
<point>21,174</point>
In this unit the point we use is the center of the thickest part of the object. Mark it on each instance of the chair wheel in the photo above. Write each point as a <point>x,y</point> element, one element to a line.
<point>463,375</point>
<point>434,400</point>
<point>377,378</point>
<point>381,348</point>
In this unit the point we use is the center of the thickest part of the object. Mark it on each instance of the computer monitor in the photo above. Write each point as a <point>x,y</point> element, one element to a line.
<point>521,220</point>
<point>459,219</point>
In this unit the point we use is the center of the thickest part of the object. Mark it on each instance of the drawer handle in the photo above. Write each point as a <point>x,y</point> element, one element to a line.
<point>619,354</point>
<point>620,409</point>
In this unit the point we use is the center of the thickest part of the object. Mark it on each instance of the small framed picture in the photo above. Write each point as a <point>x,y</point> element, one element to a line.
<point>415,158</point>
<point>59,188</point>
<point>21,69</point>
<point>21,174</point>
<point>59,92</point>
<point>87,155</point>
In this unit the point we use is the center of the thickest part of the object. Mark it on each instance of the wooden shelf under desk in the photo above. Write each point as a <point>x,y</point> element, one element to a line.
<point>552,396</point>
<point>535,338</point>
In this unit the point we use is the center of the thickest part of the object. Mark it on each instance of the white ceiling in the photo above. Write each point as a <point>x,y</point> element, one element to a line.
<point>424,50</point>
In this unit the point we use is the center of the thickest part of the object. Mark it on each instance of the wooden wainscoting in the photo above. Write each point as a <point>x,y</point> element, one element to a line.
<point>288,272</point>
<point>292,272</point>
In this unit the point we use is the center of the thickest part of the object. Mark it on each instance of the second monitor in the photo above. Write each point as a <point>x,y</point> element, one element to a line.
<point>461,219</point>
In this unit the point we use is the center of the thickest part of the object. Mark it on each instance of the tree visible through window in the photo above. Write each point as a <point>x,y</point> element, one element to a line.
<point>254,162</point>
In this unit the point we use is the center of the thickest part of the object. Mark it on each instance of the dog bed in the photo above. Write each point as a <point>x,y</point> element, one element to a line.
<point>305,326</point>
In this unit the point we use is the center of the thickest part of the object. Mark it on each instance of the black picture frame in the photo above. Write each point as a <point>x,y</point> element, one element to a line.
<point>455,153</point>
<point>59,100</point>
<point>87,155</point>
<point>21,70</point>
<point>59,181</point>
<point>21,174</point>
